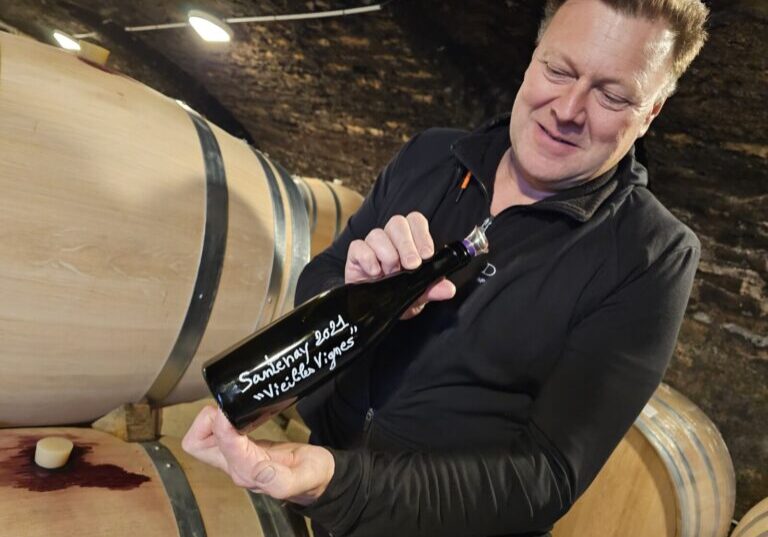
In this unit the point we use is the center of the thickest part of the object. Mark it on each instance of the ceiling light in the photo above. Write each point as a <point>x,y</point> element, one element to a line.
<point>213,29</point>
<point>209,27</point>
<point>65,41</point>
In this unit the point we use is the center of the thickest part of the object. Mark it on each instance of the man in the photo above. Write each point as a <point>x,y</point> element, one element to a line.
<point>491,410</point>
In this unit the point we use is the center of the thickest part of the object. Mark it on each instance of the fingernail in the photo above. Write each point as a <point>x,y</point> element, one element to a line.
<point>427,252</point>
<point>412,260</point>
<point>266,475</point>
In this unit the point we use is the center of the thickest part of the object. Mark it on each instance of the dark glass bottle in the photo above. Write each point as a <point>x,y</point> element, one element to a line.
<point>287,359</point>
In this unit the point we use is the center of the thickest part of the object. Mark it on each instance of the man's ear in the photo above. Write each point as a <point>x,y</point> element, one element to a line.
<point>652,113</point>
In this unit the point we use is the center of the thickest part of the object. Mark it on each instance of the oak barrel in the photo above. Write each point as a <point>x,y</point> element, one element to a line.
<point>137,240</point>
<point>116,488</point>
<point>329,205</point>
<point>754,523</point>
<point>671,476</point>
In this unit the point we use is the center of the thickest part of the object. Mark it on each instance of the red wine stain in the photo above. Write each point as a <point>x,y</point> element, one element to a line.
<point>20,471</point>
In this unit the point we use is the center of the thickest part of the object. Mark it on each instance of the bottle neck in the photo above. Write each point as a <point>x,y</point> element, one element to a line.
<point>396,292</point>
<point>446,261</point>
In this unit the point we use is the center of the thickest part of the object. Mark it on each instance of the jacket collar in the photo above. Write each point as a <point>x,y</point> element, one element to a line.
<point>481,151</point>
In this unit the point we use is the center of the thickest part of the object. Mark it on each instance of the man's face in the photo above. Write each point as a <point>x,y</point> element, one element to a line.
<point>591,83</point>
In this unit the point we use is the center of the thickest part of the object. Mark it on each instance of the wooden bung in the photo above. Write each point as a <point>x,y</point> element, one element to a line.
<point>52,452</point>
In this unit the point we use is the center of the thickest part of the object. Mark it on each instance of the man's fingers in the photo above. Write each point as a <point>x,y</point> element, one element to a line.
<point>239,451</point>
<point>232,444</point>
<point>361,259</point>
<point>421,237</point>
<point>403,243</point>
<point>415,308</point>
<point>280,452</point>
<point>201,443</point>
<point>413,311</point>
<point>221,426</point>
<point>200,433</point>
<point>212,456</point>
<point>385,251</point>
<point>399,231</point>
<point>442,290</point>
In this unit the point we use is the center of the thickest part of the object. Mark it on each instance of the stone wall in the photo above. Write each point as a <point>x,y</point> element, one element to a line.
<point>708,154</point>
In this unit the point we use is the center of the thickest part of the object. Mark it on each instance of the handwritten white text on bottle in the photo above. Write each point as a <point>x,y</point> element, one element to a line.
<point>297,370</point>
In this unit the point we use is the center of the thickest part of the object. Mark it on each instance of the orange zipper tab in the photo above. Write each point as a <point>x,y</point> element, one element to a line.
<point>465,182</point>
<point>464,185</point>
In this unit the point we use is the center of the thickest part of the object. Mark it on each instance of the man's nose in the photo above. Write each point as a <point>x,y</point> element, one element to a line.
<point>570,106</point>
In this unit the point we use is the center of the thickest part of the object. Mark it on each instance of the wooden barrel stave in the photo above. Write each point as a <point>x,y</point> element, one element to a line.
<point>754,523</point>
<point>671,476</point>
<point>701,457</point>
<point>299,243</point>
<point>59,270</point>
<point>103,223</point>
<point>279,261</point>
<point>329,205</point>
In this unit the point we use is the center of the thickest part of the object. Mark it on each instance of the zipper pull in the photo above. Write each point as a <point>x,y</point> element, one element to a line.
<point>463,187</point>
<point>368,419</point>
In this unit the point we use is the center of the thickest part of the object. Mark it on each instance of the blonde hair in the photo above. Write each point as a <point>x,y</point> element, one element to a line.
<point>686,19</point>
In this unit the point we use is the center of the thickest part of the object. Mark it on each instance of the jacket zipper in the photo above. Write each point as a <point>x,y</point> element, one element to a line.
<point>463,186</point>
<point>486,223</point>
<point>485,192</point>
<point>367,425</point>
<point>489,220</point>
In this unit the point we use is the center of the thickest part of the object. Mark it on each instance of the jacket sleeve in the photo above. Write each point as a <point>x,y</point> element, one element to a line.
<point>326,270</point>
<point>612,362</point>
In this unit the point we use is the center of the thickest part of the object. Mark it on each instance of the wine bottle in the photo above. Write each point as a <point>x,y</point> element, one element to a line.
<point>269,370</point>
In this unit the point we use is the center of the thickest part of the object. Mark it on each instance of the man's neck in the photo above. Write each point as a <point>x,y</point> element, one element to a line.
<point>509,188</point>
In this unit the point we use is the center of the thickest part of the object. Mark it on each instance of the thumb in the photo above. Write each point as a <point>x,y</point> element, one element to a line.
<point>275,479</point>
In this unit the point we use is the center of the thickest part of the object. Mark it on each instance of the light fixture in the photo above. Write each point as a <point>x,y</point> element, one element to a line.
<point>216,30</point>
<point>65,41</point>
<point>209,27</point>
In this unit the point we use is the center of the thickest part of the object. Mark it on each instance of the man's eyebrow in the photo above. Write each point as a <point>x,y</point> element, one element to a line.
<point>632,86</point>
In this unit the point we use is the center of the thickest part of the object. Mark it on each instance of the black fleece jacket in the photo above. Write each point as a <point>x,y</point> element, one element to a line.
<point>491,413</point>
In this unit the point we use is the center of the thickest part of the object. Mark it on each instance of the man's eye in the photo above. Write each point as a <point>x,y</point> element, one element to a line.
<point>614,100</point>
<point>555,71</point>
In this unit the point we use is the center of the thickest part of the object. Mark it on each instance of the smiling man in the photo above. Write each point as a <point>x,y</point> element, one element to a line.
<point>490,410</point>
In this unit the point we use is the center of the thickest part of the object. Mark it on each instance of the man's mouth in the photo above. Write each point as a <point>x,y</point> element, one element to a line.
<point>556,138</point>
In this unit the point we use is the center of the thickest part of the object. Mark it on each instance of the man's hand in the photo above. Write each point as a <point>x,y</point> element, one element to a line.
<point>403,243</point>
<point>286,471</point>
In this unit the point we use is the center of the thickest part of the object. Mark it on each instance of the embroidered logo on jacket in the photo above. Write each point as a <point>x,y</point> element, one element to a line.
<point>487,272</point>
